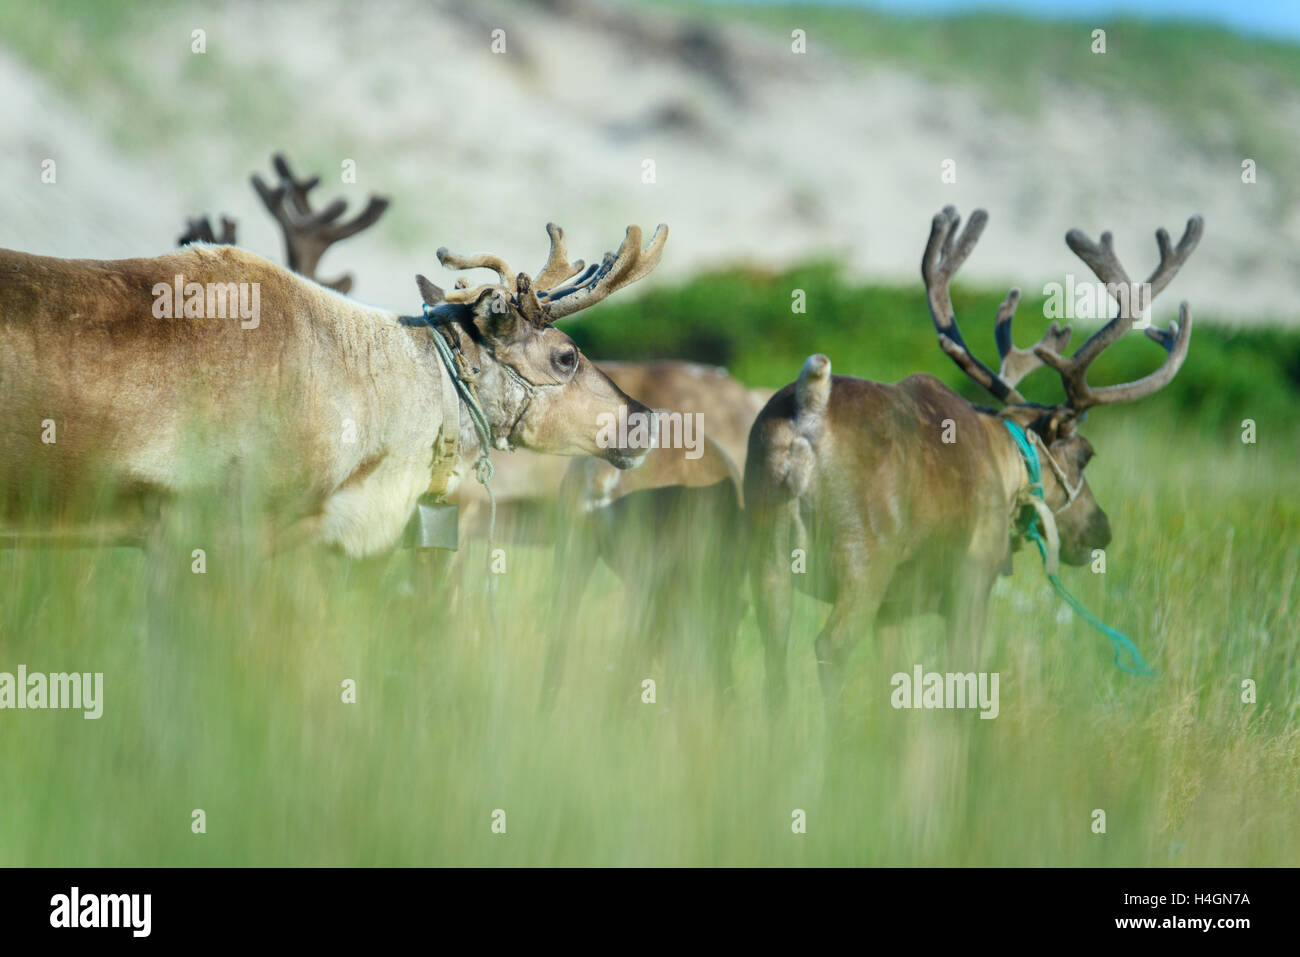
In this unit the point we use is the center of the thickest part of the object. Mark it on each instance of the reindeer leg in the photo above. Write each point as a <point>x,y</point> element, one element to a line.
<point>968,613</point>
<point>575,559</point>
<point>865,578</point>
<point>773,587</point>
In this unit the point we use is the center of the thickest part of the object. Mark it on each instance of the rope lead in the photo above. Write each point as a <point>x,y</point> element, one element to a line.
<point>483,469</point>
<point>1118,639</point>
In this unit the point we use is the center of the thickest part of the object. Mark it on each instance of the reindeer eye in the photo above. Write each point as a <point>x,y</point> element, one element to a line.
<point>565,360</point>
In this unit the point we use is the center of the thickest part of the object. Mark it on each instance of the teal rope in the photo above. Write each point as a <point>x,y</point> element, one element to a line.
<point>1118,639</point>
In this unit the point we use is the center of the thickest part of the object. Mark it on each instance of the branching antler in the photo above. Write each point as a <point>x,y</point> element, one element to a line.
<point>1018,363</point>
<point>545,299</point>
<point>943,257</point>
<point>308,234</point>
<point>558,269</point>
<point>616,270</point>
<point>1101,258</point>
<point>200,231</point>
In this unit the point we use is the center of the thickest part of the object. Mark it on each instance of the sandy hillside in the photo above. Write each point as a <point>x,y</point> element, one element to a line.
<point>760,155</point>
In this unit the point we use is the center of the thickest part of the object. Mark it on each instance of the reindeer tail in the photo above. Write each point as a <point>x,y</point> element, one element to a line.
<point>812,392</point>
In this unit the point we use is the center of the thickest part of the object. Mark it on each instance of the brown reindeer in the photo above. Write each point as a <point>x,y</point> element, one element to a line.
<point>134,381</point>
<point>895,520</point>
<point>524,479</point>
<point>525,485</point>
<point>672,532</point>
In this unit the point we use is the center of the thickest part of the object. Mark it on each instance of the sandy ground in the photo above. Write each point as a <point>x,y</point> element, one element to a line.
<point>761,156</point>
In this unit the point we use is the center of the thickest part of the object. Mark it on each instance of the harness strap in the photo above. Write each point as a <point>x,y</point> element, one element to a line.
<point>446,447</point>
<point>483,469</point>
<point>1049,550</point>
<point>1071,491</point>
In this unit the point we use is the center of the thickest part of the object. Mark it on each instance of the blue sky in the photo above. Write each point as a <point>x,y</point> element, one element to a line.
<point>1278,18</point>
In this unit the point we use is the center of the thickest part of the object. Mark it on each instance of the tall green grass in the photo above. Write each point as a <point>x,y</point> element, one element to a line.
<point>236,708</point>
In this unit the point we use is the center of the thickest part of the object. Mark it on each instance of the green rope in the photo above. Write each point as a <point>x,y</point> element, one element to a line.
<point>1118,639</point>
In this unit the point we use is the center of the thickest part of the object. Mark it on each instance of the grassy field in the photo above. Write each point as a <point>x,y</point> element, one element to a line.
<point>237,709</point>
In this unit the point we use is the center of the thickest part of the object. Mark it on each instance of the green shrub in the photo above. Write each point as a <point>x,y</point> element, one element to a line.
<point>743,320</point>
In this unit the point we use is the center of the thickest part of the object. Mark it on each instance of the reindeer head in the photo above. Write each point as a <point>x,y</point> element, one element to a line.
<point>1081,523</point>
<point>539,390</point>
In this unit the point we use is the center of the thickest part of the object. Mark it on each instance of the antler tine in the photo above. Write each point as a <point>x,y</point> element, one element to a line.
<point>296,189</point>
<point>1175,341</point>
<point>616,271</point>
<point>558,269</point>
<point>199,230</point>
<point>646,259</point>
<point>308,234</point>
<point>368,217</point>
<point>1018,363</point>
<point>297,257</point>
<point>1172,259</point>
<point>298,202</point>
<point>542,300</point>
<point>308,220</point>
<point>945,251</point>
<point>588,276</point>
<point>196,231</point>
<point>612,271</point>
<point>464,293</point>
<point>1101,258</point>
<point>476,261</point>
<point>272,196</point>
<point>1105,265</point>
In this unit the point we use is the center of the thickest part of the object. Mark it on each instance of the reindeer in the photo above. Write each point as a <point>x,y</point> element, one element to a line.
<point>895,520</point>
<point>336,412</point>
<point>727,407</point>
<point>525,479</point>
<point>672,532</point>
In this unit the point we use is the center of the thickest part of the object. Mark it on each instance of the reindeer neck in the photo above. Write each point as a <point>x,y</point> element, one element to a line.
<point>1008,462</point>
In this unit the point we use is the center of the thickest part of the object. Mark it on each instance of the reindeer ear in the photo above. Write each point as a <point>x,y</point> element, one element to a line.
<point>431,294</point>
<point>494,316</point>
<point>1061,423</point>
